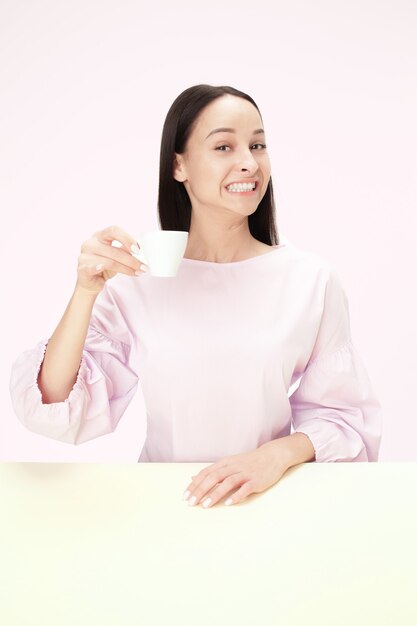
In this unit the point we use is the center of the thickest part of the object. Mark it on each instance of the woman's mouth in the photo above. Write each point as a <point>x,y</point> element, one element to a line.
<point>243,189</point>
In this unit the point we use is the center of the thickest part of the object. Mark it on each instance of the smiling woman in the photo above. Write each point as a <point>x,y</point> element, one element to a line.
<point>217,347</point>
<point>210,141</point>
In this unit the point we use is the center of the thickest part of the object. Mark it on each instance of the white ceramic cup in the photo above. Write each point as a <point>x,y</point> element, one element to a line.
<point>162,251</point>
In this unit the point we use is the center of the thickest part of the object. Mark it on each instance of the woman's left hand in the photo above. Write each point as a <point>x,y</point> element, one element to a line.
<point>250,472</point>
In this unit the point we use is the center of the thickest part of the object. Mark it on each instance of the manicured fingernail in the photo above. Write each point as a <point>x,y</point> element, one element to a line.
<point>134,248</point>
<point>206,502</point>
<point>192,501</point>
<point>143,268</point>
<point>186,495</point>
<point>228,501</point>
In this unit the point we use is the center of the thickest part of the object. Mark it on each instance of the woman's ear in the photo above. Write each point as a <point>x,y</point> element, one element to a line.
<point>178,171</point>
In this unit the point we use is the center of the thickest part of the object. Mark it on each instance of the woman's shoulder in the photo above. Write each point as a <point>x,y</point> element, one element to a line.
<point>306,258</point>
<point>120,292</point>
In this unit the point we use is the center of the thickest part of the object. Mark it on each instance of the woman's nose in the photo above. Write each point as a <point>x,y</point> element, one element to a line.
<point>249,162</point>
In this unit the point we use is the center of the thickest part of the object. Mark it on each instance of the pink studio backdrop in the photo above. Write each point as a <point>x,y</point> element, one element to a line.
<point>85,88</point>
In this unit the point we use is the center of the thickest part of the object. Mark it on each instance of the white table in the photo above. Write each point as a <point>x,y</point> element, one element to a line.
<point>115,545</point>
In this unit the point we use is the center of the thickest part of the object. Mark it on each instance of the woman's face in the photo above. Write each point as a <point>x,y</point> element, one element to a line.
<point>214,160</point>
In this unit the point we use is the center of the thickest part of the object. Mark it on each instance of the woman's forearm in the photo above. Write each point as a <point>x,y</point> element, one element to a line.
<point>63,354</point>
<point>301,449</point>
<point>294,449</point>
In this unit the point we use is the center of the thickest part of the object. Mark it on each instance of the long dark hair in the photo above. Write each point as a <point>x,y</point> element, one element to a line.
<point>174,205</point>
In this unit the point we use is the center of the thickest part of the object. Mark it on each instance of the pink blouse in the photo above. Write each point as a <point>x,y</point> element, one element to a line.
<point>217,350</point>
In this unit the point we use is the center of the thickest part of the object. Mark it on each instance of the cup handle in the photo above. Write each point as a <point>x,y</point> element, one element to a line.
<point>141,255</point>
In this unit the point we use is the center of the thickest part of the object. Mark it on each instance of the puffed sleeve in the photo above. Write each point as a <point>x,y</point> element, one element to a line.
<point>335,405</point>
<point>105,384</point>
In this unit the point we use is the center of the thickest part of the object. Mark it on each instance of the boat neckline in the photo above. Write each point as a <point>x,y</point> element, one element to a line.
<point>281,246</point>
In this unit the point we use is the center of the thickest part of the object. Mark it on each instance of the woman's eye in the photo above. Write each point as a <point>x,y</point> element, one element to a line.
<point>262,147</point>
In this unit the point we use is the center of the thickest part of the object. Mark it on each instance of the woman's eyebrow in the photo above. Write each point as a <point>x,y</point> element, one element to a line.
<point>259,131</point>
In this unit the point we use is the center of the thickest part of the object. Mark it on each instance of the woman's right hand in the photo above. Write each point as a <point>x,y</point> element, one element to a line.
<point>99,260</point>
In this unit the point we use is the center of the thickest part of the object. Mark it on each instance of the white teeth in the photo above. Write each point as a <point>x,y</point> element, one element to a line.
<point>241,187</point>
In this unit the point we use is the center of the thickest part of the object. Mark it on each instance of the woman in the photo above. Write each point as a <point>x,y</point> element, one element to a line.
<point>217,347</point>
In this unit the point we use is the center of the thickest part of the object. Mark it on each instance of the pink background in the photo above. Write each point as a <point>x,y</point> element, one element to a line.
<point>85,87</point>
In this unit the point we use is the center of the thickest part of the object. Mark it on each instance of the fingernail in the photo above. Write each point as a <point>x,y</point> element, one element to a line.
<point>192,501</point>
<point>228,501</point>
<point>186,495</point>
<point>134,248</point>
<point>207,502</point>
<point>144,268</point>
